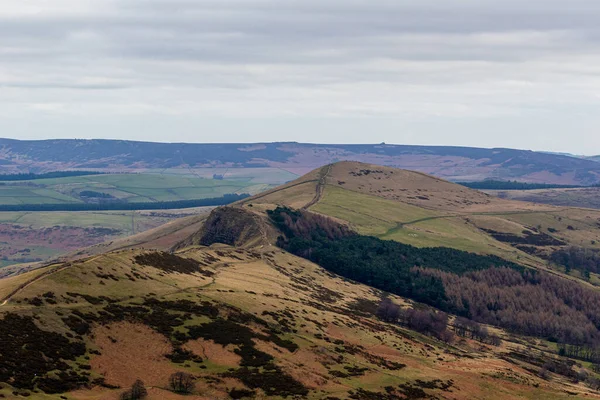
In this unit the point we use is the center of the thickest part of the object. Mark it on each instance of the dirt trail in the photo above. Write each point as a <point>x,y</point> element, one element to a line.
<point>320,186</point>
<point>30,282</point>
<point>270,192</point>
<point>401,225</point>
<point>263,230</point>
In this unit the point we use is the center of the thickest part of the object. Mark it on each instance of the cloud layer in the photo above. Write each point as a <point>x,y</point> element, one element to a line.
<point>481,73</point>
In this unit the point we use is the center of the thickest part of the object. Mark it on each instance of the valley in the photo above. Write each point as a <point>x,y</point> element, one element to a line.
<point>299,200</point>
<point>31,237</point>
<point>42,218</point>
<point>355,281</point>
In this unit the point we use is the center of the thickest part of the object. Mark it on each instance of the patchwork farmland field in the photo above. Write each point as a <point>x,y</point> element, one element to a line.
<point>129,188</point>
<point>268,175</point>
<point>39,236</point>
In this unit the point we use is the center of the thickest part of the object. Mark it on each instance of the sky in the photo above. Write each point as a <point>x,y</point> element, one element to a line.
<point>482,73</point>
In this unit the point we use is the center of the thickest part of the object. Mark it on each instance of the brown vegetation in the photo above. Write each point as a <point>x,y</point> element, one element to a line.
<point>536,304</point>
<point>129,352</point>
<point>29,354</point>
<point>216,353</point>
<point>171,263</point>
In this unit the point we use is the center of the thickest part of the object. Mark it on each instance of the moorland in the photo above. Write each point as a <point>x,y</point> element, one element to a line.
<point>354,281</point>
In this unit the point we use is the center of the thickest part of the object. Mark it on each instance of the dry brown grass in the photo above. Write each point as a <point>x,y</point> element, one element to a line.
<point>277,282</point>
<point>296,196</point>
<point>417,188</point>
<point>109,275</point>
<point>129,352</point>
<point>154,393</point>
<point>213,352</point>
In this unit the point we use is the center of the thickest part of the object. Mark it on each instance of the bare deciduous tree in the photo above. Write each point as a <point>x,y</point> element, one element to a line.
<point>181,382</point>
<point>388,311</point>
<point>138,391</point>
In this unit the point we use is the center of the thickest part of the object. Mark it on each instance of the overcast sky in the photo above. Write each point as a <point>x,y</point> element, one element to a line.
<point>508,73</point>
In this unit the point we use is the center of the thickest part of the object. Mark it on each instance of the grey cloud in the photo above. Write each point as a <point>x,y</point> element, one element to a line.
<point>30,85</point>
<point>301,32</point>
<point>413,60</point>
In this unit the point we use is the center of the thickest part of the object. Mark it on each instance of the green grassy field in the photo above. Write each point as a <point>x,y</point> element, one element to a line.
<point>369,214</point>
<point>130,188</point>
<point>271,176</point>
<point>83,219</point>
<point>405,223</point>
<point>39,236</point>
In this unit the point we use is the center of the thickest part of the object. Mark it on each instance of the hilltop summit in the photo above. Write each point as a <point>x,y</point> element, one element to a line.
<point>399,185</point>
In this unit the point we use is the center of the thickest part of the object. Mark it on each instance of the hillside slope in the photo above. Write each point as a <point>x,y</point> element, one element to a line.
<point>316,334</point>
<point>423,210</point>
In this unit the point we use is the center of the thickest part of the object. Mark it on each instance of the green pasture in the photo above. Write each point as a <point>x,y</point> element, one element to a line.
<point>405,223</point>
<point>130,188</point>
<point>268,175</point>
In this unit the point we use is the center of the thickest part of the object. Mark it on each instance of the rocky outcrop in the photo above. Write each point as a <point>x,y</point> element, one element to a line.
<point>228,225</point>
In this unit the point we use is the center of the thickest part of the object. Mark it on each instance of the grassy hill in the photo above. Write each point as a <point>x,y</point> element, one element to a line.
<point>422,210</point>
<point>318,329</point>
<point>227,304</point>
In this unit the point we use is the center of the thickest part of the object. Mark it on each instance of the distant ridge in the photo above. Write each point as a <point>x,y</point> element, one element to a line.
<point>448,162</point>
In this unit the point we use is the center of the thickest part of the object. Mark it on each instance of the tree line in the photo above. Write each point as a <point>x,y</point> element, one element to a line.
<point>529,302</point>
<point>179,382</point>
<point>577,258</point>
<point>46,175</point>
<point>485,289</point>
<point>121,206</point>
<point>383,264</point>
<point>95,195</point>
<point>435,323</point>
<point>513,185</point>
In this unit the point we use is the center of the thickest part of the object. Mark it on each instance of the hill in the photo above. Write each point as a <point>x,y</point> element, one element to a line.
<point>300,332</point>
<point>293,294</point>
<point>422,210</point>
<point>281,162</point>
